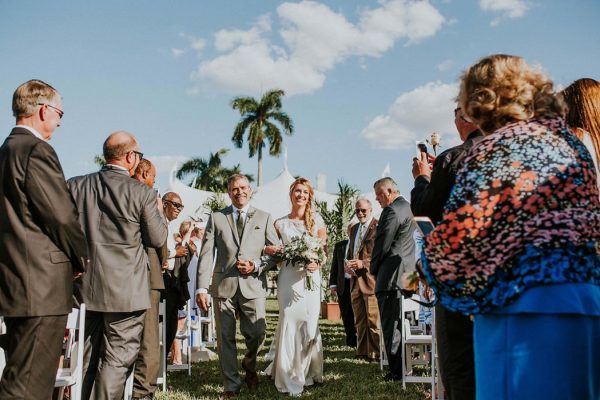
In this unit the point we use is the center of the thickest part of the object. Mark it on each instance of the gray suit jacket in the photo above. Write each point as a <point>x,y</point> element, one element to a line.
<point>41,241</point>
<point>394,249</point>
<point>221,237</point>
<point>119,216</point>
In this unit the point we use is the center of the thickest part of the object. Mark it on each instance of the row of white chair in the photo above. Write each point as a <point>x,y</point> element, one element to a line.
<point>418,347</point>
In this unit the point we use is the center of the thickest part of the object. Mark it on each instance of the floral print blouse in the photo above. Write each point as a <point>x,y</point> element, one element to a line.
<point>524,212</point>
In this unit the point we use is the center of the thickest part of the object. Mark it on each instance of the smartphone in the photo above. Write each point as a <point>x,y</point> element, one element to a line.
<point>421,148</point>
<point>424,225</point>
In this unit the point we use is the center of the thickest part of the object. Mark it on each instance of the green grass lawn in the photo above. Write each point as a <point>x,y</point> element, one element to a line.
<point>344,377</point>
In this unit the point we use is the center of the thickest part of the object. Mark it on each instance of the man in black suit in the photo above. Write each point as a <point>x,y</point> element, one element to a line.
<point>393,255</point>
<point>42,245</point>
<point>339,284</point>
<point>147,364</point>
<point>120,217</point>
<point>454,331</point>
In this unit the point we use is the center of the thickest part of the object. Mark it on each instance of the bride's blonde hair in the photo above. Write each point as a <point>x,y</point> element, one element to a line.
<point>309,219</point>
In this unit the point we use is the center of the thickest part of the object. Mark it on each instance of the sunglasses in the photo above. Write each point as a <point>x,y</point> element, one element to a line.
<point>175,204</point>
<point>361,210</point>
<point>139,153</point>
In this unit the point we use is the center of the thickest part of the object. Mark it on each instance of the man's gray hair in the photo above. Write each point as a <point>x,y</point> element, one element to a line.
<point>365,200</point>
<point>30,94</point>
<point>388,182</point>
<point>236,177</point>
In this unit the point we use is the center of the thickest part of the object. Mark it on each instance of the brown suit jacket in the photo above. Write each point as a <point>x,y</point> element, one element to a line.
<point>363,277</point>
<point>156,257</point>
<point>41,241</point>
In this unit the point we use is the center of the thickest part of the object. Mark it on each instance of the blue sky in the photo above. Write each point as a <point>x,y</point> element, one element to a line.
<point>365,79</point>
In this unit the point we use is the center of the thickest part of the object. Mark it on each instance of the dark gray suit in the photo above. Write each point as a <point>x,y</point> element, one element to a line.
<point>120,216</point>
<point>41,243</point>
<point>147,364</point>
<point>393,255</point>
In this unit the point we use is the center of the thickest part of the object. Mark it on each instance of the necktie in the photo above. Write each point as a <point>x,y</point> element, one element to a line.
<point>359,237</point>
<point>240,223</point>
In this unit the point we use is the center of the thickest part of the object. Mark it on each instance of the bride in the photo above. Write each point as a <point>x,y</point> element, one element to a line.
<point>298,358</point>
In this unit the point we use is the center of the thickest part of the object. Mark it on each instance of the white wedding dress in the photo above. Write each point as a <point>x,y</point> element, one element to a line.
<point>298,357</point>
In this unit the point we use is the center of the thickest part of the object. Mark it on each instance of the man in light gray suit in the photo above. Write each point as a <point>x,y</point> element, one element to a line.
<point>119,216</point>
<point>238,234</point>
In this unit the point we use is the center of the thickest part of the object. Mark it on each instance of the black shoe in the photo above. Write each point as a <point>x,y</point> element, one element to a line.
<point>391,377</point>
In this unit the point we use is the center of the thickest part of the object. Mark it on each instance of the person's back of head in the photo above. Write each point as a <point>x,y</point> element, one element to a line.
<point>38,105</point>
<point>121,148</point>
<point>583,102</point>
<point>145,172</point>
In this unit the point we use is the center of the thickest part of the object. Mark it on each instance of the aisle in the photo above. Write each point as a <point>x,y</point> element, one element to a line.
<point>345,378</point>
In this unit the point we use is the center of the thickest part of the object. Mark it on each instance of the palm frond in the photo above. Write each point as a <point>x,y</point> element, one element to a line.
<point>283,119</point>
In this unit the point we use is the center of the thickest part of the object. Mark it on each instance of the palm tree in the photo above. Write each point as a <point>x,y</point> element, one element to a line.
<point>256,119</point>
<point>209,174</point>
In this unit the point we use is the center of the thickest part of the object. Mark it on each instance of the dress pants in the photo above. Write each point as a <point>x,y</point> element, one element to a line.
<point>171,319</point>
<point>33,346</point>
<point>366,314</point>
<point>147,364</point>
<point>454,333</point>
<point>252,326</point>
<point>390,312</point>
<point>112,343</point>
<point>345,303</point>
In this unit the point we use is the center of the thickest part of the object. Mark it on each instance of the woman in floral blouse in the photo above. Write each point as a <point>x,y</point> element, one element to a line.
<point>519,243</point>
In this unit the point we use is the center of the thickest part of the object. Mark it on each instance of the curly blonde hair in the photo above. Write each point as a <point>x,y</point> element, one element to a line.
<point>309,219</point>
<point>583,101</point>
<point>501,89</point>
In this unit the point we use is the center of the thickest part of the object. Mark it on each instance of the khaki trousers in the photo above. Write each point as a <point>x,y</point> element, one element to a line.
<point>366,315</point>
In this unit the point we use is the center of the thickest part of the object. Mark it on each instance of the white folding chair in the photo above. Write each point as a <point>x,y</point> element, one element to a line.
<point>186,347</point>
<point>73,374</point>
<point>162,335</point>
<point>418,342</point>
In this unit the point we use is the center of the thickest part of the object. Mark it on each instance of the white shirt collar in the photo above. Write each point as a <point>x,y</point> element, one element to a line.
<point>118,167</point>
<point>367,222</point>
<point>244,209</point>
<point>33,131</point>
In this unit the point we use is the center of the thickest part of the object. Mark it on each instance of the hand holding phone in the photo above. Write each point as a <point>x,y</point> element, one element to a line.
<point>424,225</point>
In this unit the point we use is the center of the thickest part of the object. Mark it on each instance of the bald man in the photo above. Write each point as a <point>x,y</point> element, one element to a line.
<point>120,217</point>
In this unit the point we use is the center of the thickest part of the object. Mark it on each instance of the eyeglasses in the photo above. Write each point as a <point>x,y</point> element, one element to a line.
<point>58,110</point>
<point>175,204</point>
<point>139,153</point>
<point>361,210</point>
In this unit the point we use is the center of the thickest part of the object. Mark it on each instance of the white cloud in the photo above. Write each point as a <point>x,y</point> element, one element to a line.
<point>176,52</point>
<point>414,116</point>
<point>509,8</point>
<point>197,44</point>
<point>315,38</point>
<point>445,65</point>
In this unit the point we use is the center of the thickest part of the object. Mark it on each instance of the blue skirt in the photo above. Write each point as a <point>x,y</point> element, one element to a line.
<point>537,356</point>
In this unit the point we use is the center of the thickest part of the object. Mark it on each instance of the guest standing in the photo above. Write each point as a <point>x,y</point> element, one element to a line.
<point>42,246</point>
<point>453,330</point>
<point>583,115</point>
<point>339,284</point>
<point>364,301</point>
<point>518,245</point>
<point>393,256</point>
<point>120,217</point>
<point>147,364</point>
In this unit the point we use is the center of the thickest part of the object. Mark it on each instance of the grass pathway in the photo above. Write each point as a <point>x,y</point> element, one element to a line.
<point>344,377</point>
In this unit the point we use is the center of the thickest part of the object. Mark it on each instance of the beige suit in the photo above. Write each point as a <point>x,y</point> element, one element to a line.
<point>232,291</point>
<point>364,302</point>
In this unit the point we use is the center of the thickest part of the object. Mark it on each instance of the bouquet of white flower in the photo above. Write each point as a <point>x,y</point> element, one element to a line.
<point>304,250</point>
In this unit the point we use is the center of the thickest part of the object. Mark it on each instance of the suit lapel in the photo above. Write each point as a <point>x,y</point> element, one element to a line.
<point>229,216</point>
<point>367,234</point>
<point>350,252</point>
<point>247,226</point>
